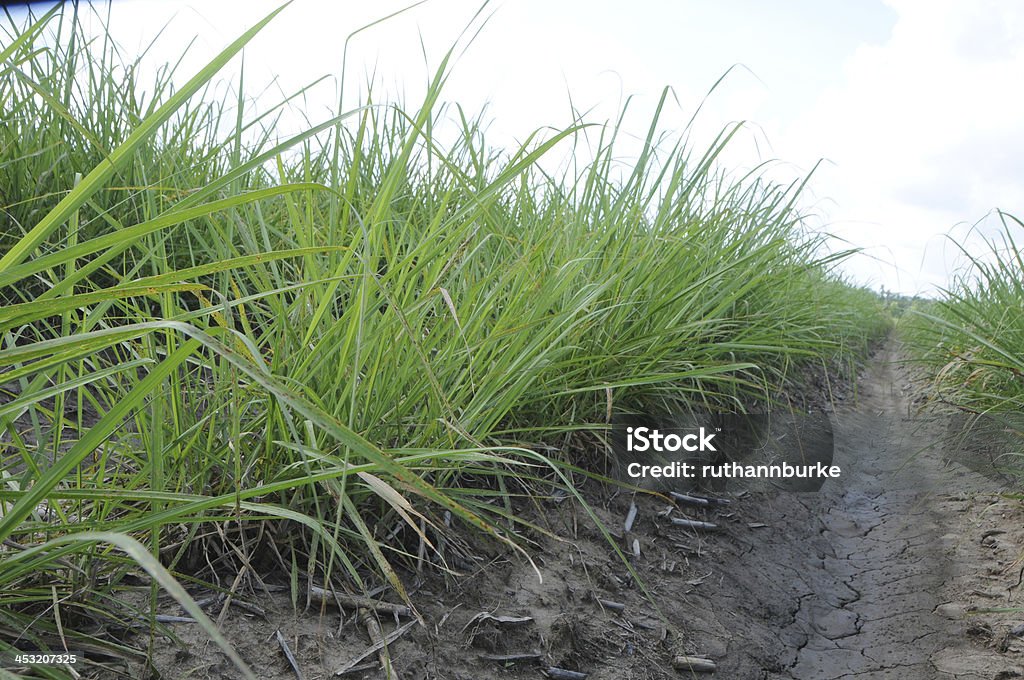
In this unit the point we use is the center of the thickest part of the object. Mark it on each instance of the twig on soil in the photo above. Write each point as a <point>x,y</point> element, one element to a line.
<point>694,524</point>
<point>688,549</point>
<point>370,665</point>
<point>982,593</point>
<point>230,596</point>
<point>356,602</point>
<point>377,636</point>
<point>251,608</point>
<point>440,624</point>
<point>611,605</point>
<point>562,674</point>
<point>354,666</point>
<point>235,602</point>
<point>630,518</point>
<point>698,581</point>
<point>694,664</point>
<point>497,620</point>
<point>288,655</point>
<point>627,626</point>
<point>421,552</point>
<point>170,618</point>
<point>511,658</point>
<point>700,501</point>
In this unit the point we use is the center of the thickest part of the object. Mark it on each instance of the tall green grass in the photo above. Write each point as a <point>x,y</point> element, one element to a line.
<point>972,341</point>
<point>301,355</point>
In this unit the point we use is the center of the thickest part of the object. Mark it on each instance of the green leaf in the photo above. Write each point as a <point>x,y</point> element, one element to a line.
<point>95,180</point>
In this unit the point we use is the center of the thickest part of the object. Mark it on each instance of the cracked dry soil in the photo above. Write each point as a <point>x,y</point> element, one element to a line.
<point>889,579</point>
<point>886,572</point>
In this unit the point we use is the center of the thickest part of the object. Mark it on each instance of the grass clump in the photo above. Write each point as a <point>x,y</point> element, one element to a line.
<point>242,354</point>
<point>972,341</point>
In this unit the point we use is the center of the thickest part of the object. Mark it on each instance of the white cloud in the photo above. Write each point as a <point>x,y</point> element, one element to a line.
<point>925,133</point>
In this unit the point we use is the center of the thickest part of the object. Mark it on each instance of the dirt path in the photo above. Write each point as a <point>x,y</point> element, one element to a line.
<point>889,528</point>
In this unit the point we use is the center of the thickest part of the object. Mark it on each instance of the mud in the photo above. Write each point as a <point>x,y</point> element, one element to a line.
<point>891,571</point>
<point>888,532</point>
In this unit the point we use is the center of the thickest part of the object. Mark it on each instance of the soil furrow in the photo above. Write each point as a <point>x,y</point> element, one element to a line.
<point>883,521</point>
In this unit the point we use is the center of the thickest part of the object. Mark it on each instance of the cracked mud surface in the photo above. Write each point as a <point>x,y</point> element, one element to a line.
<point>881,536</point>
<point>884,573</point>
<point>886,553</point>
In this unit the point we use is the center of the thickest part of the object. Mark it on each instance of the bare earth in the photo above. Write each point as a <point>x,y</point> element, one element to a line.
<point>884,573</point>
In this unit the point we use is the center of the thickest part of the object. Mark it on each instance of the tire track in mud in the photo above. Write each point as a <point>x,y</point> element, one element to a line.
<point>879,571</point>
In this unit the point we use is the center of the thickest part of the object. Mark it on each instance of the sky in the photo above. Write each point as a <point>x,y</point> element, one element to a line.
<point>913,106</point>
